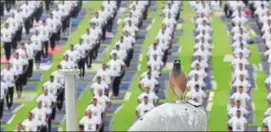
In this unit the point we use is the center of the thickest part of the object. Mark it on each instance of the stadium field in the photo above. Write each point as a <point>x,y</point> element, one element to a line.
<point>125,116</point>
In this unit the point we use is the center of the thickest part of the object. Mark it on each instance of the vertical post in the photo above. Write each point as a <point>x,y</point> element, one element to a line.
<point>70,99</point>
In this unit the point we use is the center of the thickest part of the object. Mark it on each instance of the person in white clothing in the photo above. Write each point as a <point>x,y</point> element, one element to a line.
<point>233,110</point>
<point>81,48</point>
<point>19,65</point>
<point>238,122</point>
<point>96,109</point>
<point>149,82</point>
<point>31,124</point>
<point>268,82</point>
<point>42,115</point>
<point>48,101</point>
<point>99,84</point>
<point>9,77</point>
<point>73,54</point>
<point>152,97</point>
<point>104,101</point>
<point>7,37</point>
<point>267,124</point>
<point>105,74</point>
<point>37,40</point>
<point>197,94</point>
<point>66,63</point>
<point>3,93</point>
<point>144,107</point>
<point>117,67</point>
<point>244,98</point>
<point>89,123</point>
<point>267,112</point>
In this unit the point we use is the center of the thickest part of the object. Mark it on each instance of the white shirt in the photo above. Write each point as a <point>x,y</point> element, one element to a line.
<point>74,55</point>
<point>201,73</point>
<point>146,82</point>
<point>267,122</point>
<point>96,86</point>
<point>115,66</point>
<point>67,64</point>
<point>59,77</point>
<point>245,83</point>
<point>122,54</point>
<point>105,75</point>
<point>142,107</point>
<point>151,97</point>
<point>268,111</point>
<point>37,41</point>
<point>46,100</point>
<point>102,101</point>
<point>18,64</point>
<point>90,124</point>
<point>268,80</point>
<point>243,97</point>
<point>8,77</point>
<point>52,86</point>
<point>6,35</point>
<point>198,96</point>
<point>40,114</point>
<point>232,112</point>
<point>96,110</point>
<point>156,64</point>
<point>4,87</point>
<point>238,124</point>
<point>31,125</point>
<point>192,83</point>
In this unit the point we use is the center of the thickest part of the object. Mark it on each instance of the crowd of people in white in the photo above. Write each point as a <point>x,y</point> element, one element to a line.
<point>157,58</point>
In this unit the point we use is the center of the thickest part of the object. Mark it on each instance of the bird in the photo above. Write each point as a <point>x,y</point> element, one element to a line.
<point>178,80</point>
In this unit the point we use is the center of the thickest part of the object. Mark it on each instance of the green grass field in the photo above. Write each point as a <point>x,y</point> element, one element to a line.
<point>124,118</point>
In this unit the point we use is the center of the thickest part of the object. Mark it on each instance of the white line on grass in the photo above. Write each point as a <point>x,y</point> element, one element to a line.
<point>60,129</point>
<point>153,20</point>
<point>260,67</point>
<point>117,110</point>
<point>18,108</point>
<point>127,96</point>
<point>209,106</point>
<point>180,49</point>
<point>10,120</point>
<point>259,129</point>
<point>138,67</point>
<point>119,21</point>
<point>214,84</point>
<point>210,99</point>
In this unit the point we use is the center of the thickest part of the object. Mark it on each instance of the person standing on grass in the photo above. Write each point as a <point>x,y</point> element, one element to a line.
<point>44,33</point>
<point>30,56</point>
<point>117,67</point>
<point>90,123</point>
<point>8,76</point>
<point>59,77</point>
<point>31,124</point>
<point>97,111</point>
<point>18,65</point>
<point>37,40</point>
<point>144,107</point>
<point>6,37</point>
<point>238,123</point>
<point>178,80</point>
<point>4,88</point>
<point>42,115</point>
<point>81,48</point>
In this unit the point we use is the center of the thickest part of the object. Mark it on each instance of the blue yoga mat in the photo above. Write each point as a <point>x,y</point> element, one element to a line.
<point>120,97</point>
<point>107,40</point>
<point>255,28</point>
<point>62,41</point>
<point>164,76</point>
<point>107,123</point>
<point>162,84</point>
<point>30,87</point>
<point>58,119</point>
<point>81,86</point>
<point>113,108</point>
<point>257,40</point>
<point>54,129</point>
<point>99,58</point>
<point>128,76</point>
<point>175,49</point>
<point>161,94</point>
<point>6,118</point>
<point>87,77</point>
<point>263,58</point>
<point>252,128</point>
<point>208,83</point>
<point>102,49</point>
<point>250,117</point>
<point>44,17</point>
<point>36,76</point>
<point>47,60</point>
<point>261,47</point>
<point>12,108</point>
<point>133,67</point>
<point>139,41</point>
<point>224,18</point>
<point>124,86</point>
<point>137,49</point>
<point>142,34</point>
<point>171,58</point>
<point>266,67</point>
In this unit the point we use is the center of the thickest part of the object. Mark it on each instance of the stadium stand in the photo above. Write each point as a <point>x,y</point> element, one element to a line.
<point>125,55</point>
